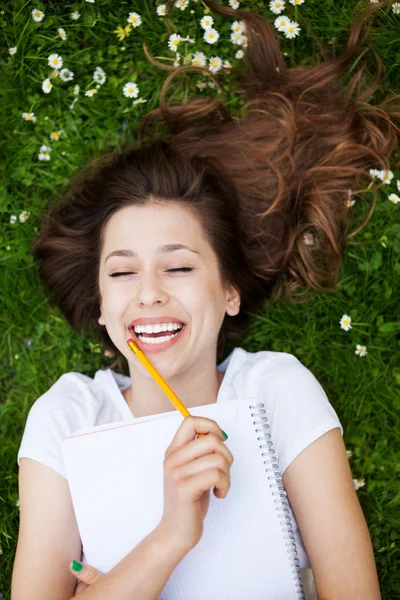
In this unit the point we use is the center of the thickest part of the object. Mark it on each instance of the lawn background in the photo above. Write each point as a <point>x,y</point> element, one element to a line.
<point>38,346</point>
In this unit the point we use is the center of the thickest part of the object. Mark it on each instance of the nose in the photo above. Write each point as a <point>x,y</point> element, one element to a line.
<point>150,291</point>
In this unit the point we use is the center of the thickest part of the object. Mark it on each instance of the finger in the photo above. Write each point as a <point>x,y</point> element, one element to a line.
<point>196,485</point>
<point>196,449</point>
<point>87,574</point>
<point>80,587</point>
<point>211,461</point>
<point>190,427</point>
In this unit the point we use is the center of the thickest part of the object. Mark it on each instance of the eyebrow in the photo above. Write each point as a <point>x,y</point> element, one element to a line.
<point>160,250</point>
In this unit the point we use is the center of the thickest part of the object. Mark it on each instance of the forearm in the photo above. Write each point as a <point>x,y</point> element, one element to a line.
<point>142,574</point>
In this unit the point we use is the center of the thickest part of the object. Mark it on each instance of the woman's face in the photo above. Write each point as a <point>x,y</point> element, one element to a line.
<point>148,288</point>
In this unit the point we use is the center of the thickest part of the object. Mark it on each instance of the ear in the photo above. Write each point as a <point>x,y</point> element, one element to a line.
<point>233,302</point>
<point>100,320</point>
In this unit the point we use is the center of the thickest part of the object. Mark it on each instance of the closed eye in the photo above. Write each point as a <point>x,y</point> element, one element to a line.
<point>182,269</point>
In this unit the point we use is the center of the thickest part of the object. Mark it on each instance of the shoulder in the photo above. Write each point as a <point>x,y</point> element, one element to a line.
<point>71,392</point>
<point>72,402</point>
<point>297,406</point>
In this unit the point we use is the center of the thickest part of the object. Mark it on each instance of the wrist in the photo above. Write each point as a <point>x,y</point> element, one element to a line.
<point>169,543</point>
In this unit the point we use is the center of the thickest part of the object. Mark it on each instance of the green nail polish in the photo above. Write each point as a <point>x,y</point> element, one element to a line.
<point>224,434</point>
<point>76,566</point>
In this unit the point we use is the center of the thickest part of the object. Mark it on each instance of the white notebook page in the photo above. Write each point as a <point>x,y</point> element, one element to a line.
<point>115,474</point>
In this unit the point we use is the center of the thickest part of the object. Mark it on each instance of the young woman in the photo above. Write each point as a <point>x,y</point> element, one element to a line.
<point>193,234</point>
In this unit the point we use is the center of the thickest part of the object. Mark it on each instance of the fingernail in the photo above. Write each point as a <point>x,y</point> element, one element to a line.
<point>76,566</point>
<point>224,434</point>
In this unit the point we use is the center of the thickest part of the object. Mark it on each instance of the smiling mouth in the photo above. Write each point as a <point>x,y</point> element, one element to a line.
<point>150,336</point>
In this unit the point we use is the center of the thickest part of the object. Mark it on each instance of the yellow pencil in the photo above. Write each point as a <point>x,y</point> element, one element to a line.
<point>161,382</point>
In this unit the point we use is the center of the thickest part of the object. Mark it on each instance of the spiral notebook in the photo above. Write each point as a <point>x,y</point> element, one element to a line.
<point>247,550</point>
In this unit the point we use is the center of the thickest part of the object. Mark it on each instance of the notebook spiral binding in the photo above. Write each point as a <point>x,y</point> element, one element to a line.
<point>280,501</point>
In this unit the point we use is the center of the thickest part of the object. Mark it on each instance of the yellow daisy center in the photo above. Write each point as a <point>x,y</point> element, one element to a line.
<point>195,62</point>
<point>211,35</point>
<point>175,42</point>
<point>37,14</point>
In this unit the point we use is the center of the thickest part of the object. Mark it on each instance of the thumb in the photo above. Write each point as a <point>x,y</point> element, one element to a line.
<point>85,573</point>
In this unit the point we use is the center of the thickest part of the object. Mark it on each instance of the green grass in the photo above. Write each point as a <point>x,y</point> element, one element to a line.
<point>365,391</point>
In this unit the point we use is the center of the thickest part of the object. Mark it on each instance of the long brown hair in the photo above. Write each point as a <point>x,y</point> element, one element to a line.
<point>258,184</point>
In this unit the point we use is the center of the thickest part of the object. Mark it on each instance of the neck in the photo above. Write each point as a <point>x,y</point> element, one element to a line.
<point>144,397</point>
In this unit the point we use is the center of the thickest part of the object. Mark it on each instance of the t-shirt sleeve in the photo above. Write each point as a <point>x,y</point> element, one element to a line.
<point>298,411</point>
<point>64,408</point>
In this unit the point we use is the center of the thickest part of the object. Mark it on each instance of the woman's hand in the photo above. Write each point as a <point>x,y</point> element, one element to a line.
<point>86,577</point>
<point>192,467</point>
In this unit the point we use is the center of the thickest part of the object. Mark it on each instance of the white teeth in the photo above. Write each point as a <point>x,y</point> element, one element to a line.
<point>158,328</point>
<point>158,340</point>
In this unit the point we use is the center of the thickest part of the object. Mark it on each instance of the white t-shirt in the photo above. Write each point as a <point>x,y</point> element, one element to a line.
<point>298,409</point>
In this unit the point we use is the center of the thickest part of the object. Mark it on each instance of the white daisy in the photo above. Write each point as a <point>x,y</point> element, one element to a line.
<point>238,26</point>
<point>201,85</point>
<point>66,75</point>
<point>211,84</point>
<point>206,22</point>
<point>349,453</point>
<point>358,483</point>
<point>46,86</point>
<point>130,90</point>
<point>226,64</point>
<point>91,92</point>
<point>291,29</point>
<point>75,15</point>
<point>308,239</point>
<point>394,198</point>
<point>215,64</point>
<point>182,4</point>
<point>211,35</point>
<point>91,1</point>
<point>199,59</point>
<point>396,8</point>
<point>24,216</point>
<point>239,54</point>
<point>76,90</point>
<point>29,116</point>
<point>99,76</point>
<point>55,135</point>
<point>55,61</point>
<point>345,322</point>
<point>173,41</point>
<point>187,60</point>
<point>139,101</point>
<point>12,50</point>
<point>135,19</point>
<point>13,219</point>
<point>398,184</point>
<point>374,172</point>
<point>361,350</point>
<point>237,38</point>
<point>296,2</point>
<point>276,6</point>
<point>386,176</point>
<point>62,33</point>
<point>281,22</point>
<point>162,10</point>
<point>44,152</point>
<point>234,4</point>
<point>37,15</point>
